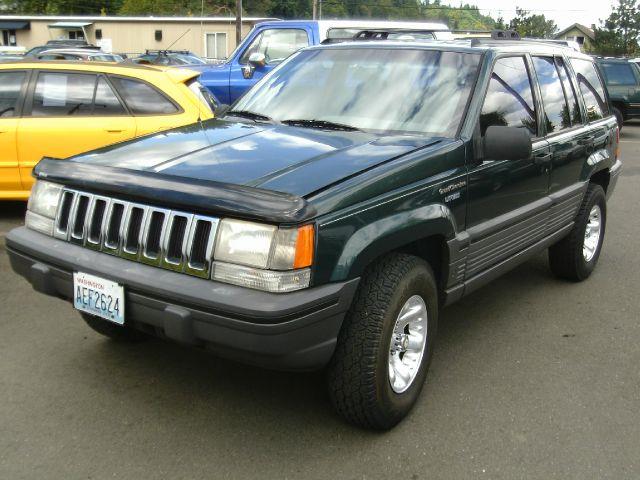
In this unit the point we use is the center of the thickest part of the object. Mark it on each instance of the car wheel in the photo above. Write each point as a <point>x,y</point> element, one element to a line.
<point>575,256</point>
<point>386,342</point>
<point>115,332</point>
<point>619,118</point>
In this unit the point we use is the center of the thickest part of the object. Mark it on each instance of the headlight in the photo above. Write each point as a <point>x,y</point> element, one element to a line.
<point>42,206</point>
<point>263,256</point>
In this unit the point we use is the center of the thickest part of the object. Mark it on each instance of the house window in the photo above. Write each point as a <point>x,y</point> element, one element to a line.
<point>216,45</point>
<point>580,40</point>
<point>76,35</point>
<point>8,38</point>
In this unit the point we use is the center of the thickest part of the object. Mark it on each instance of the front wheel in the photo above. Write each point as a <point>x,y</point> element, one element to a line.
<point>575,256</point>
<point>385,345</point>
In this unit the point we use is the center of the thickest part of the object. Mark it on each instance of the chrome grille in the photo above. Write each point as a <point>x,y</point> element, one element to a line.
<point>175,240</point>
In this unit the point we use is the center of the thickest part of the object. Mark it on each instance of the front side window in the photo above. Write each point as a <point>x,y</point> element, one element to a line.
<point>143,99</point>
<point>557,115</point>
<point>374,89</point>
<point>618,73</point>
<point>509,99</point>
<point>277,44</point>
<point>10,88</point>
<point>591,88</point>
<point>63,94</point>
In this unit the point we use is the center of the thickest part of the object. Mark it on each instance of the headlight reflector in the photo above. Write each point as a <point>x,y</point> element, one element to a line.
<point>44,199</point>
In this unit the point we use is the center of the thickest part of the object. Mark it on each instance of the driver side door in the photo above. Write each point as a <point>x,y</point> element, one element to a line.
<point>276,44</point>
<point>12,87</point>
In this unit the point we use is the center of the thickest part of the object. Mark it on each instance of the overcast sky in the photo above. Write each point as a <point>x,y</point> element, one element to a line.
<point>563,12</point>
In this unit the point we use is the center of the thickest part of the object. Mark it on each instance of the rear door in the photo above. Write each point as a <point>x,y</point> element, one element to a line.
<point>276,43</point>
<point>12,88</point>
<point>67,113</point>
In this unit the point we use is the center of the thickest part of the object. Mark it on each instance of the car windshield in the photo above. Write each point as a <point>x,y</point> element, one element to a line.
<point>381,90</point>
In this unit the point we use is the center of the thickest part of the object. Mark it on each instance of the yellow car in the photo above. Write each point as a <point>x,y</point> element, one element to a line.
<point>59,109</point>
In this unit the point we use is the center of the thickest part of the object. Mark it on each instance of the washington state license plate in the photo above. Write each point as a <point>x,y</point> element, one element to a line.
<point>99,297</point>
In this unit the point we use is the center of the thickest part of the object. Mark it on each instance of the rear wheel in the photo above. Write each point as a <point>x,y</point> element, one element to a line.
<point>575,256</point>
<point>385,345</point>
<point>116,332</point>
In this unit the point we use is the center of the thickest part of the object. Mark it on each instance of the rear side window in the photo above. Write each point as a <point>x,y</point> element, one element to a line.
<point>63,94</point>
<point>591,88</point>
<point>557,116</point>
<point>10,87</point>
<point>143,99</point>
<point>569,91</point>
<point>618,73</point>
<point>509,99</point>
<point>106,102</point>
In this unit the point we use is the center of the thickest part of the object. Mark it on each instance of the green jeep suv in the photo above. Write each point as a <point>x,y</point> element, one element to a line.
<point>622,79</point>
<point>325,220</point>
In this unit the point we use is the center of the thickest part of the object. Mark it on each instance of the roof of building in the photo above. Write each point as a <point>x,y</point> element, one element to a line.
<point>586,30</point>
<point>98,18</point>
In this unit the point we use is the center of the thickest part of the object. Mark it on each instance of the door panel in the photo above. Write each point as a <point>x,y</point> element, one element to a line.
<point>9,172</point>
<point>276,44</point>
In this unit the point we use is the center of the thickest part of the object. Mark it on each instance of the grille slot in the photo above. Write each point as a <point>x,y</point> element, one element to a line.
<point>112,240</point>
<point>80,218</point>
<point>133,230</point>
<point>96,221</point>
<point>64,213</point>
<point>154,236</point>
<point>173,240</point>
<point>176,239</point>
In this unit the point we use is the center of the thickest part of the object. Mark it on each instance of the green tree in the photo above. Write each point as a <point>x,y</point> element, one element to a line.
<point>536,26</point>
<point>619,33</point>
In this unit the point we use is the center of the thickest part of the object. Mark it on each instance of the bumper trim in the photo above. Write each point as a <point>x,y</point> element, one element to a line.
<point>294,331</point>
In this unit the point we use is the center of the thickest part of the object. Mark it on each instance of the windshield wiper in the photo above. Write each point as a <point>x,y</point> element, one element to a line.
<point>248,114</point>
<point>321,124</point>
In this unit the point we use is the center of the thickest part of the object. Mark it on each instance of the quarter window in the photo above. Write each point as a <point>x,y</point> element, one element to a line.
<point>276,44</point>
<point>557,115</point>
<point>106,102</point>
<point>509,99</point>
<point>10,87</point>
<point>591,88</point>
<point>63,94</point>
<point>142,99</point>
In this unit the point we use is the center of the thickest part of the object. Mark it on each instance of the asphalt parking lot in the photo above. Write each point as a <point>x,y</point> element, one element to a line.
<point>532,378</point>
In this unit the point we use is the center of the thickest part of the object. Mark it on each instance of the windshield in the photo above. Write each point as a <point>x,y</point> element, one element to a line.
<point>381,90</point>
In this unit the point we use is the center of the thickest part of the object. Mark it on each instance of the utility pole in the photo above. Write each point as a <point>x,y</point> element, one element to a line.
<point>238,21</point>
<point>319,9</point>
<point>315,9</point>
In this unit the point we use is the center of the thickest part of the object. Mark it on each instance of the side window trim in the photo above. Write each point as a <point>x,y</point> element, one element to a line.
<point>179,109</point>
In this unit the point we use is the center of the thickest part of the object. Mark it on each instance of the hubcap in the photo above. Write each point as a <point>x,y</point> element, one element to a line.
<point>408,343</point>
<point>592,233</point>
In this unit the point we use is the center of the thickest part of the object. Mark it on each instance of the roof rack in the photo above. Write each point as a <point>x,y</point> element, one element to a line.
<point>377,34</point>
<point>167,52</point>
<point>505,35</point>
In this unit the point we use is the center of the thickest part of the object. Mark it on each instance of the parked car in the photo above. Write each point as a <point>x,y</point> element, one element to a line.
<point>59,109</point>
<point>622,78</point>
<point>7,57</point>
<point>269,43</point>
<point>169,57</point>
<point>301,233</point>
<point>78,55</point>
<point>51,44</point>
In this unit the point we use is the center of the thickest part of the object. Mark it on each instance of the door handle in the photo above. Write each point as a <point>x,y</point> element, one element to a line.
<point>114,130</point>
<point>542,159</point>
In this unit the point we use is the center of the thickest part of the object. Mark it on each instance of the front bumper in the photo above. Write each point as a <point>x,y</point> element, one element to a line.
<point>293,331</point>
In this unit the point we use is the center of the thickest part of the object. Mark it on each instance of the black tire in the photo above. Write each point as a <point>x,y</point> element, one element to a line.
<point>565,257</point>
<point>358,375</point>
<point>115,332</point>
<point>619,118</point>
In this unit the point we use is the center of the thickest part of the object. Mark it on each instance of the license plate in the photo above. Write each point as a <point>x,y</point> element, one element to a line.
<point>99,297</point>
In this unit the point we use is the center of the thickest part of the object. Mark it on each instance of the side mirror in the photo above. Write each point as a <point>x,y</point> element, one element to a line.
<point>257,59</point>
<point>507,143</point>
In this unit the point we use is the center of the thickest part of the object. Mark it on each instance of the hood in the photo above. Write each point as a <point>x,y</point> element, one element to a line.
<point>293,160</point>
<point>203,69</point>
